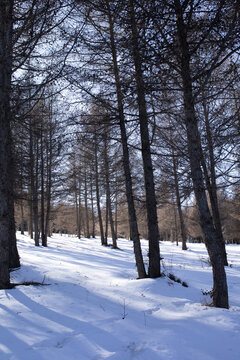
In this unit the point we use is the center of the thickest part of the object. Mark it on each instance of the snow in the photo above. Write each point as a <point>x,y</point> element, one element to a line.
<point>92,307</point>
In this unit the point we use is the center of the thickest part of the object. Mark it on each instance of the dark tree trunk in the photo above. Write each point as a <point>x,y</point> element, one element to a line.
<point>7,228</point>
<point>79,230</point>
<point>134,233</point>
<point>87,234</point>
<point>14,260</point>
<point>49,154</point>
<point>30,213</point>
<point>153,231</point>
<point>108,191</point>
<point>116,215</point>
<point>178,198</point>
<point>97,191</point>
<point>21,193</point>
<point>220,290</point>
<point>106,222</point>
<point>35,194</point>
<point>75,189</point>
<point>92,206</point>
<point>43,233</point>
<point>22,217</point>
<point>211,183</point>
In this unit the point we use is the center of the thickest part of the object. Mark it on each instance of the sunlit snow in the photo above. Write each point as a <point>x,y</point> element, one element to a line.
<point>92,307</point>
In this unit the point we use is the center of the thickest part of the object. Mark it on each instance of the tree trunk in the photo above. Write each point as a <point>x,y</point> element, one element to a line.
<point>97,191</point>
<point>79,230</point>
<point>211,183</point>
<point>76,196</point>
<point>22,217</point>
<point>35,198</point>
<point>106,222</point>
<point>92,206</point>
<point>153,231</point>
<point>116,215</point>
<point>87,235</point>
<point>49,154</point>
<point>178,198</point>
<point>43,233</point>
<point>220,290</point>
<point>134,233</point>
<point>6,186</point>
<point>30,213</point>
<point>108,191</point>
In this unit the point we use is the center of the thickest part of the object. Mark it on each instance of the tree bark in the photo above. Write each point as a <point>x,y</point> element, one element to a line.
<point>7,229</point>
<point>35,194</point>
<point>220,290</point>
<point>151,204</point>
<point>87,234</point>
<point>211,183</point>
<point>43,233</point>
<point>97,191</point>
<point>92,206</point>
<point>134,233</point>
<point>108,191</point>
<point>106,222</point>
<point>178,198</point>
<point>49,154</point>
<point>30,213</point>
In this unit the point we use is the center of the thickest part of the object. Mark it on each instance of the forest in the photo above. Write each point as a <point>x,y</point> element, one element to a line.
<point>121,119</point>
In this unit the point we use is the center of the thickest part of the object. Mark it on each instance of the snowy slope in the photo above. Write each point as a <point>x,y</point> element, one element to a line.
<point>94,308</point>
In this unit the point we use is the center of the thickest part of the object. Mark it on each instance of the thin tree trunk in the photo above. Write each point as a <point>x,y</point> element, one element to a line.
<point>153,231</point>
<point>76,196</point>
<point>92,206</point>
<point>97,191</point>
<point>106,223</point>
<point>176,225</point>
<point>35,197</point>
<point>86,202</point>
<point>108,191</point>
<point>116,215</point>
<point>49,150</point>
<point>43,234</point>
<point>79,231</point>
<point>220,290</point>
<point>22,217</point>
<point>178,198</point>
<point>21,192</point>
<point>30,213</point>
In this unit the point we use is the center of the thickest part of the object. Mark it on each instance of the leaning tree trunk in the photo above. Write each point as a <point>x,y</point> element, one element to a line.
<point>220,290</point>
<point>151,204</point>
<point>211,183</point>
<point>133,226</point>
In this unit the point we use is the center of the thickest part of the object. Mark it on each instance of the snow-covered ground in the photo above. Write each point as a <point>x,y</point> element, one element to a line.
<point>94,308</point>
